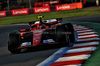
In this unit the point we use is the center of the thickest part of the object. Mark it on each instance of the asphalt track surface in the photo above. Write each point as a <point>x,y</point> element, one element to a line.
<point>29,58</point>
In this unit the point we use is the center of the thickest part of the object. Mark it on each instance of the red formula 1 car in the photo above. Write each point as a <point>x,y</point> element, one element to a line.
<point>43,32</point>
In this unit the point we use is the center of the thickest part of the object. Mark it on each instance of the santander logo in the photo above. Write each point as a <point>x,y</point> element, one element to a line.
<point>41,9</point>
<point>19,12</point>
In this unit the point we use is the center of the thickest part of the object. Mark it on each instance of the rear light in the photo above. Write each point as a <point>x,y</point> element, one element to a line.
<point>21,34</point>
<point>23,30</point>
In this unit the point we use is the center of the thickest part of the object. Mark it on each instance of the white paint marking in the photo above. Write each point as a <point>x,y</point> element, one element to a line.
<point>86,33</point>
<point>85,44</point>
<point>72,65</point>
<point>87,36</point>
<point>79,26</point>
<point>77,57</point>
<point>81,29</point>
<point>81,49</point>
<point>13,25</point>
<point>88,39</point>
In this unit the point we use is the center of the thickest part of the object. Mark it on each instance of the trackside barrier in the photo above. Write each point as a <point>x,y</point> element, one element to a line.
<point>65,7</point>
<point>20,12</point>
<point>2,13</point>
<point>79,5</point>
<point>41,9</point>
<point>27,11</point>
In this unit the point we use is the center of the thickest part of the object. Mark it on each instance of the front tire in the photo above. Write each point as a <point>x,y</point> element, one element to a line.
<point>71,32</point>
<point>14,42</point>
<point>61,34</point>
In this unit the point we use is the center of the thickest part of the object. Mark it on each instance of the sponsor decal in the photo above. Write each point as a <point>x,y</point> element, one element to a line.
<point>26,43</point>
<point>2,13</point>
<point>48,41</point>
<point>20,12</point>
<point>45,41</point>
<point>38,31</point>
<point>37,34</point>
<point>65,7</point>
<point>52,20</point>
<point>41,9</point>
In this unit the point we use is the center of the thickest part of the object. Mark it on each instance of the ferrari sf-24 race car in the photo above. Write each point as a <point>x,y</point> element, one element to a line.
<point>42,32</point>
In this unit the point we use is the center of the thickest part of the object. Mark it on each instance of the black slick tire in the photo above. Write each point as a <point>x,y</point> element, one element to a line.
<point>61,33</point>
<point>14,42</point>
<point>71,32</point>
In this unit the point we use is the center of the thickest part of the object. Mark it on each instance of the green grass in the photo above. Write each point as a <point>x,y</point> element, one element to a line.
<point>59,14</point>
<point>94,60</point>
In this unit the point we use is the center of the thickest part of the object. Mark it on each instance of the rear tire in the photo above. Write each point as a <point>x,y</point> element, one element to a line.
<point>71,32</point>
<point>14,42</point>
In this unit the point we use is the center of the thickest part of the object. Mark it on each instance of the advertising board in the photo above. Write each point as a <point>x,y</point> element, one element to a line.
<point>2,13</point>
<point>41,9</point>
<point>20,12</point>
<point>65,7</point>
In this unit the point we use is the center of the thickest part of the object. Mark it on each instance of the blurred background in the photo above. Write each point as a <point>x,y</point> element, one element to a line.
<point>19,4</point>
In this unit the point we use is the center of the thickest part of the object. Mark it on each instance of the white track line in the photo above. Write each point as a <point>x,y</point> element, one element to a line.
<point>81,49</point>
<point>88,39</point>
<point>72,65</point>
<point>13,25</point>
<point>84,31</point>
<point>93,43</point>
<point>85,44</point>
<point>87,33</point>
<point>79,26</point>
<point>81,29</point>
<point>77,57</point>
<point>87,36</point>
